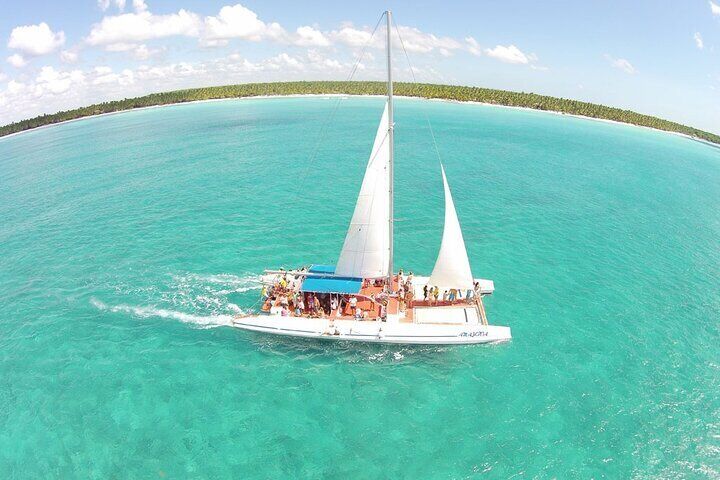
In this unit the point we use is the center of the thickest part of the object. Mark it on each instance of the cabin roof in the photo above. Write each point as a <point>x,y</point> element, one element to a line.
<point>322,269</point>
<point>332,284</point>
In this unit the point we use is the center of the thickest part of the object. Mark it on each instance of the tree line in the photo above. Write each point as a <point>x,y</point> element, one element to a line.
<point>422,90</point>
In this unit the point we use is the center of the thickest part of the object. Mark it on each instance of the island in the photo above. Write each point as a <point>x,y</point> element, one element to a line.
<point>421,90</point>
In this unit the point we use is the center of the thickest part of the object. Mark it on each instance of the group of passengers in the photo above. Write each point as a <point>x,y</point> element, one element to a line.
<point>287,300</point>
<point>285,297</point>
<point>452,295</point>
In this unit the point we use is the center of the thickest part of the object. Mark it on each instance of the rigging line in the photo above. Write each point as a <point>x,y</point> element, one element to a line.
<point>412,72</point>
<point>328,121</point>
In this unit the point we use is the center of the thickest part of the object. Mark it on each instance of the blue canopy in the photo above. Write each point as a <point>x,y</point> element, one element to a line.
<point>327,282</point>
<point>331,284</point>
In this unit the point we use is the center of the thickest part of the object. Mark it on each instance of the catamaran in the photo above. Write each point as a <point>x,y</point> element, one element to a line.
<point>361,298</point>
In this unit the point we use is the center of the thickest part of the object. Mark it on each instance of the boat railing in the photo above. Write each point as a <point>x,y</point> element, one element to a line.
<point>442,303</point>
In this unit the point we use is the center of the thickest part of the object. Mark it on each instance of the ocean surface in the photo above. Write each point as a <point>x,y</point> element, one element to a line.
<point>127,242</point>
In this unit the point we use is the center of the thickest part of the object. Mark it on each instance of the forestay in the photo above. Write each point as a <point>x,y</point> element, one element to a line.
<point>365,251</point>
<point>452,267</point>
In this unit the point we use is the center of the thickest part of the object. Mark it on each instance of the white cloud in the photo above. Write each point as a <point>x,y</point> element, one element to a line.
<point>120,47</point>
<point>54,82</point>
<point>309,37</point>
<point>15,87</point>
<point>285,60</point>
<point>207,43</point>
<point>239,22</point>
<point>353,37</point>
<point>139,5</point>
<point>105,76</point>
<point>68,56</point>
<point>417,41</point>
<point>316,60</point>
<point>509,54</point>
<point>698,40</point>
<point>413,39</point>
<point>140,52</point>
<point>714,8</point>
<point>142,25</point>
<point>313,64</point>
<point>105,4</point>
<point>234,21</point>
<point>35,39</point>
<point>17,60</point>
<point>172,71</point>
<point>3,77</point>
<point>473,46</point>
<point>282,61</point>
<point>621,64</point>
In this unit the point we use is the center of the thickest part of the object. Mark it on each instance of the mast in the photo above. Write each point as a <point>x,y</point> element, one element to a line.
<point>388,16</point>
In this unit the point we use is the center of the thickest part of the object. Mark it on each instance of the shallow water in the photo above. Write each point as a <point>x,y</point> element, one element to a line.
<point>128,242</point>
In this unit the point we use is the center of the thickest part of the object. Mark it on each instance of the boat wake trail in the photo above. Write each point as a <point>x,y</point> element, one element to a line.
<point>209,321</point>
<point>204,300</point>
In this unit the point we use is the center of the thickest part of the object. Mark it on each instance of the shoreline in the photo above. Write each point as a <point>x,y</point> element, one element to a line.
<point>334,95</point>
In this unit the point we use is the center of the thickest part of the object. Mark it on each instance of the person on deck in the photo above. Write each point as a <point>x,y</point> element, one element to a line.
<point>409,298</point>
<point>299,306</point>
<point>342,305</point>
<point>453,294</point>
<point>332,329</point>
<point>284,300</point>
<point>436,293</point>
<point>316,302</point>
<point>425,292</point>
<point>311,303</point>
<point>353,304</point>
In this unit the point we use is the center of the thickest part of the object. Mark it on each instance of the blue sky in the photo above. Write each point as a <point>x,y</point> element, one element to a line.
<point>656,57</point>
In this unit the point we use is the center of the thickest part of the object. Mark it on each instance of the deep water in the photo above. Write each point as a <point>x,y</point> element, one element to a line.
<point>128,241</point>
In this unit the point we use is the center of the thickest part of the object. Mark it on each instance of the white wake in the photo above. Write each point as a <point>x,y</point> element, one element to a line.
<point>207,321</point>
<point>191,298</point>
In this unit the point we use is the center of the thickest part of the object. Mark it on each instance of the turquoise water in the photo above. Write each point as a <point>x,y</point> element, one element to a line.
<point>127,241</point>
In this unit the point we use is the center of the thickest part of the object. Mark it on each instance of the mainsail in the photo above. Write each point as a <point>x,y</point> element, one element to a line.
<point>366,249</point>
<point>452,268</point>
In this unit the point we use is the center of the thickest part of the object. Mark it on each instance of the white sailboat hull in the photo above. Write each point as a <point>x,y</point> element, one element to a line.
<point>375,331</point>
